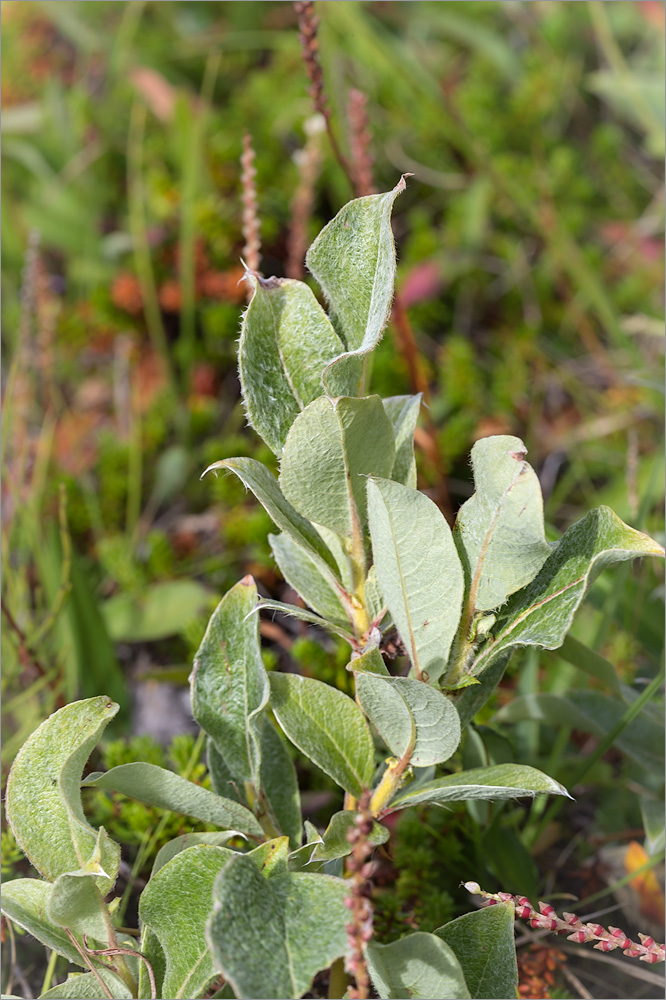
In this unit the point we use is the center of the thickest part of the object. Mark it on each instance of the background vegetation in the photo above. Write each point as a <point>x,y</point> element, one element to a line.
<point>531,264</point>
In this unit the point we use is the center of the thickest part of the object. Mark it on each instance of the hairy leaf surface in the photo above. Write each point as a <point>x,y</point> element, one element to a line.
<point>403,412</point>
<point>327,726</point>
<point>353,259</point>
<point>161,788</point>
<point>541,613</point>
<point>418,571</point>
<point>499,530</point>
<point>303,574</point>
<point>483,943</point>
<point>502,781</point>
<point>333,445</point>
<point>25,902</point>
<point>420,966</point>
<point>286,342</point>
<point>269,936</point>
<point>86,987</point>
<point>43,799</point>
<point>411,717</point>
<point>279,784</point>
<point>229,682</point>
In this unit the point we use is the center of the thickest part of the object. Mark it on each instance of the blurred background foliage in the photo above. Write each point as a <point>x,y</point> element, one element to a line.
<point>531,258</point>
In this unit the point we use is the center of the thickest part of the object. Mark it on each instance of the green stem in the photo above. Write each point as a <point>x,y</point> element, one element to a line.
<point>391,781</point>
<point>50,970</point>
<point>338,980</point>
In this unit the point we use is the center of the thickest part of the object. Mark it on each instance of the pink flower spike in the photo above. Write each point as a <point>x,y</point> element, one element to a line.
<point>580,937</point>
<point>646,940</point>
<point>571,918</point>
<point>650,957</point>
<point>605,946</point>
<point>546,908</point>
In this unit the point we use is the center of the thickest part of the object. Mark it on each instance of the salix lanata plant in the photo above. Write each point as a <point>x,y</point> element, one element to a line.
<point>262,901</point>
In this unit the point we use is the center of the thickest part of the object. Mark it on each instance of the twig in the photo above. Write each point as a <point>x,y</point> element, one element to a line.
<point>360,142</point>
<point>251,233</point>
<point>86,960</point>
<point>359,929</point>
<point>308,23</point>
<point>26,655</point>
<point>125,951</point>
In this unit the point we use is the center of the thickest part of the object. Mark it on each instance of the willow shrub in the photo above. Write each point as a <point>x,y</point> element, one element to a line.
<point>368,554</point>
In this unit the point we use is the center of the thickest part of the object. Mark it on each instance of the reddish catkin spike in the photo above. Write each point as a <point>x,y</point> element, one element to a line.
<point>359,928</point>
<point>308,23</point>
<point>308,161</point>
<point>360,143</point>
<point>574,928</point>
<point>251,233</point>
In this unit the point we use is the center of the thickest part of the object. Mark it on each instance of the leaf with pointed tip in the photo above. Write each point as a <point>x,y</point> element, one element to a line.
<point>403,412</point>
<point>25,902</point>
<point>370,662</point>
<point>499,531</point>
<point>286,342</point>
<point>279,784</point>
<point>303,615</point>
<point>265,487</point>
<point>413,718</point>
<point>502,781</point>
<point>483,942</point>
<point>76,903</point>
<point>418,571</point>
<point>327,726</point>
<point>86,986</point>
<point>596,713</point>
<point>542,612</point>
<point>43,799</point>
<point>420,966</point>
<point>270,936</point>
<point>229,682</point>
<point>470,700</point>
<point>301,572</point>
<point>221,777</point>
<point>334,843</point>
<point>374,600</point>
<point>333,445</point>
<point>184,886</point>
<point>353,259</point>
<point>155,786</point>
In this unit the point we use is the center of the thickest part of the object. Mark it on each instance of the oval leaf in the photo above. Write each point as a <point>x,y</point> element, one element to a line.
<point>403,412</point>
<point>86,986</point>
<point>503,781</point>
<point>353,259</point>
<point>418,571</point>
<point>155,786</point>
<point>286,342</point>
<point>25,902</point>
<point>44,801</point>
<point>412,718</point>
<point>279,784</point>
<point>184,884</point>
<point>270,936</point>
<point>333,445</point>
<point>483,942</point>
<point>303,574</point>
<point>499,530</point>
<point>229,682</point>
<point>420,966</point>
<point>327,726</point>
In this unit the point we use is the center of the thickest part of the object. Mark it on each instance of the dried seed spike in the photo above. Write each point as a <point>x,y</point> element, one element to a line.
<point>251,230</point>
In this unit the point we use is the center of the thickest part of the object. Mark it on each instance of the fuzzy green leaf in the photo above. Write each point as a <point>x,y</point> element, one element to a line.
<point>279,784</point>
<point>25,902</point>
<point>270,936</point>
<point>333,445</point>
<point>483,943</point>
<point>541,614</point>
<point>178,844</point>
<point>353,259</point>
<point>155,786</point>
<point>43,799</point>
<point>286,342</point>
<point>221,777</point>
<point>306,616</point>
<point>160,610</point>
<point>265,487</point>
<point>411,717</point>
<point>184,886</point>
<point>301,572</point>
<point>229,682</point>
<point>327,726</point>
<point>334,843</point>
<point>502,781</point>
<point>499,530</point>
<point>86,987</point>
<point>420,966</point>
<point>403,412</point>
<point>418,571</point>
<point>76,903</point>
